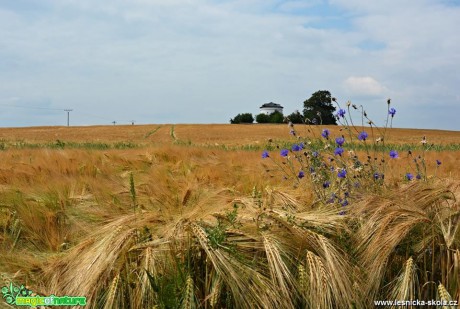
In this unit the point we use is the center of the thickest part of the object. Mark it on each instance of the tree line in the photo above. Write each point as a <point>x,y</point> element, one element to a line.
<point>318,109</point>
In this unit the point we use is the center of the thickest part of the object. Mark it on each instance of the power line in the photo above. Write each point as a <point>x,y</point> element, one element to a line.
<point>31,107</point>
<point>65,110</point>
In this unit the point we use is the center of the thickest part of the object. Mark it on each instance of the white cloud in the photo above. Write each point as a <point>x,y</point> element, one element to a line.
<point>363,86</point>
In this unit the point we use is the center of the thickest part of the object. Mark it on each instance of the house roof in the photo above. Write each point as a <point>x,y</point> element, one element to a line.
<point>271,105</point>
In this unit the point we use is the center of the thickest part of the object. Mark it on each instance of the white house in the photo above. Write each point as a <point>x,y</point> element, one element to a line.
<point>269,108</point>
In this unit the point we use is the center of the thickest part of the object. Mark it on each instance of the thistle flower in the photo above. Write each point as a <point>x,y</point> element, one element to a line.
<point>393,154</point>
<point>265,154</point>
<point>341,113</point>
<point>340,141</point>
<point>342,173</point>
<point>325,133</point>
<point>392,112</point>
<point>284,152</point>
<point>362,136</point>
<point>338,151</point>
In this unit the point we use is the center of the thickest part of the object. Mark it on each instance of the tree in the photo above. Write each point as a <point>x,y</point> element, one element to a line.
<point>242,118</point>
<point>295,117</point>
<point>263,118</point>
<point>276,117</point>
<point>319,107</point>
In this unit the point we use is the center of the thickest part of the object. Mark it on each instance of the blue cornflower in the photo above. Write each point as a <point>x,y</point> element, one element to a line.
<point>418,176</point>
<point>312,169</point>
<point>314,154</point>
<point>284,152</point>
<point>301,174</point>
<point>340,141</point>
<point>326,184</point>
<point>392,112</point>
<point>409,176</point>
<point>325,133</point>
<point>438,162</point>
<point>314,121</point>
<point>296,147</point>
<point>342,173</point>
<point>362,136</point>
<point>338,151</point>
<point>341,113</point>
<point>292,132</point>
<point>394,154</point>
<point>342,213</point>
<point>302,145</point>
<point>376,176</point>
<point>344,203</point>
<point>265,154</point>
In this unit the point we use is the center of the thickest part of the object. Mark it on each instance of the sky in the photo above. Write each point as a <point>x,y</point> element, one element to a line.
<point>204,61</point>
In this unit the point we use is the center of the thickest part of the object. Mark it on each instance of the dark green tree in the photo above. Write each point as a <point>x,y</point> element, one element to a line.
<point>318,108</point>
<point>242,118</point>
<point>263,118</point>
<point>276,117</point>
<point>295,117</point>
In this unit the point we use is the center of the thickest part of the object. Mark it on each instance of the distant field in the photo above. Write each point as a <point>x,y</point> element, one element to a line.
<point>211,134</point>
<point>442,145</point>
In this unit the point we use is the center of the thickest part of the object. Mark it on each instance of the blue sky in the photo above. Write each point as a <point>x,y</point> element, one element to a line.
<point>198,61</point>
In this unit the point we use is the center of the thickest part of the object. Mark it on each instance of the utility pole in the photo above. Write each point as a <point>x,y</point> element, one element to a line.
<point>68,115</point>
<point>114,122</point>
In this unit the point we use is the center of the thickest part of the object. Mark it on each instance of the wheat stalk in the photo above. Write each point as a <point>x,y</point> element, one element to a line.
<point>189,295</point>
<point>214,296</point>
<point>112,292</point>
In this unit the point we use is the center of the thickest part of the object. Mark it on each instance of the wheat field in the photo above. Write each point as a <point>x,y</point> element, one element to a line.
<point>191,216</point>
